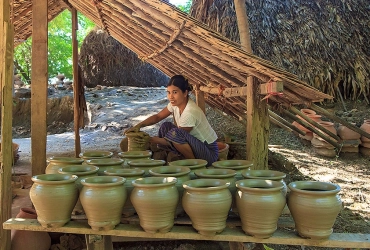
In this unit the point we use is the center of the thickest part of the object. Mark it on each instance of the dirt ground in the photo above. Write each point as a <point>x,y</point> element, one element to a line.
<point>112,110</point>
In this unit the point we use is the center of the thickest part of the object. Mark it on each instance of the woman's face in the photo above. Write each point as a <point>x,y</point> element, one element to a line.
<point>176,96</point>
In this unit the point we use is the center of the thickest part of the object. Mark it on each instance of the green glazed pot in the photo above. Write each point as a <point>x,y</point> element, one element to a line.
<point>57,162</point>
<point>105,164</point>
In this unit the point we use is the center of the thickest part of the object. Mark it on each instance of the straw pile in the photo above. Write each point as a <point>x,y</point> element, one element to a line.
<point>325,43</point>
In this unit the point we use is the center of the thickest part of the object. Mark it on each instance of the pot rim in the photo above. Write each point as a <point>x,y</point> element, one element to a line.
<point>259,185</point>
<point>215,173</point>
<point>105,161</point>
<point>68,169</point>
<point>154,182</point>
<point>206,185</point>
<point>135,154</point>
<point>124,172</point>
<point>96,154</point>
<point>103,181</point>
<point>62,159</point>
<point>263,174</point>
<point>190,163</point>
<point>146,162</point>
<point>54,179</point>
<point>232,164</point>
<point>174,171</point>
<point>320,186</point>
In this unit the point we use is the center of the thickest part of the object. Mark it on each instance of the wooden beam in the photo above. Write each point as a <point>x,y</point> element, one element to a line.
<point>6,82</point>
<point>257,112</point>
<point>76,89</point>
<point>187,232</point>
<point>39,84</point>
<point>199,95</point>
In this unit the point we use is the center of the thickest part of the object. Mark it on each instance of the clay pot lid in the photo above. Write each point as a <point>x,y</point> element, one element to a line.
<point>96,154</point>
<point>214,173</point>
<point>146,162</point>
<point>191,163</point>
<point>125,172</point>
<point>169,171</point>
<point>105,161</point>
<point>69,160</point>
<point>135,154</point>
<point>78,169</point>
<point>263,174</point>
<point>233,164</point>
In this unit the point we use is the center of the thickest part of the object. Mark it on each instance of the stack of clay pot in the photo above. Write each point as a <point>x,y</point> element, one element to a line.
<point>311,114</point>
<point>349,139</point>
<point>365,142</point>
<point>321,146</point>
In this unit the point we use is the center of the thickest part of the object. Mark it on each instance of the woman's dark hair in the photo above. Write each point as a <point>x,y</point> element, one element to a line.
<point>181,82</point>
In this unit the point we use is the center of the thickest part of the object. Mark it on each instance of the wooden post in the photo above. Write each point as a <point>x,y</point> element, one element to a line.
<point>6,81</point>
<point>76,92</point>
<point>39,85</point>
<point>257,111</point>
<point>199,95</point>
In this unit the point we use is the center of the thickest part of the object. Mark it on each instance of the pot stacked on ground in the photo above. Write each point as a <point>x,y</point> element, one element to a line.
<point>207,202</point>
<point>193,164</point>
<point>95,154</point>
<point>57,162</point>
<point>312,114</point>
<point>106,163</point>
<point>155,200</point>
<point>237,165</point>
<point>134,155</point>
<point>365,142</point>
<point>321,146</point>
<point>146,164</point>
<point>349,139</point>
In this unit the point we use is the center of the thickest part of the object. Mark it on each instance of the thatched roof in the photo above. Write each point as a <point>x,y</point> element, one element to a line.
<point>325,43</point>
<point>176,43</point>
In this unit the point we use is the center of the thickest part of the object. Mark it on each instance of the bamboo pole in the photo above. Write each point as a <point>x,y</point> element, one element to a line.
<point>286,123</point>
<point>337,119</point>
<point>6,81</point>
<point>280,124</point>
<point>312,129</point>
<point>39,85</point>
<point>76,89</point>
<point>313,123</point>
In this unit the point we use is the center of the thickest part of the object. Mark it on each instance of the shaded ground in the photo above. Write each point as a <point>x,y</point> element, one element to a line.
<point>115,109</point>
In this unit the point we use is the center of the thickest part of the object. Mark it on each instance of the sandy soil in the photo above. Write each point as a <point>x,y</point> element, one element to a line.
<point>115,109</point>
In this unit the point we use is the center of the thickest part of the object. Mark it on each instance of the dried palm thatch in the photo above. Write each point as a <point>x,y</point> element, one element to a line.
<point>105,61</point>
<point>325,43</point>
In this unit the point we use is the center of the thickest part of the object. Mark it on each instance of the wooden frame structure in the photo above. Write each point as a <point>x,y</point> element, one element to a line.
<point>159,34</point>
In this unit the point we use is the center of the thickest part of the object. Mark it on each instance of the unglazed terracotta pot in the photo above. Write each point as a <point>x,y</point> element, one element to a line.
<point>266,175</point>
<point>146,164</point>
<point>29,240</point>
<point>207,202</point>
<point>228,175</point>
<point>182,174</point>
<point>57,162</point>
<point>155,200</point>
<point>129,174</point>
<point>314,207</point>
<point>81,171</point>
<point>346,133</point>
<point>95,154</point>
<point>134,155</point>
<point>260,203</point>
<point>106,163</point>
<point>54,197</point>
<point>329,126</point>
<point>193,164</point>
<point>365,127</point>
<point>237,165</point>
<point>103,198</point>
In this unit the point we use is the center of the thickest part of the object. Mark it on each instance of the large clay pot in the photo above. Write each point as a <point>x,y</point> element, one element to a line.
<point>260,203</point>
<point>54,197</point>
<point>266,175</point>
<point>134,155</point>
<point>103,198</point>
<point>228,175</point>
<point>29,240</point>
<point>193,164</point>
<point>57,162</point>
<point>81,171</point>
<point>329,126</point>
<point>130,175</point>
<point>346,133</point>
<point>146,164</point>
<point>314,207</point>
<point>135,146</point>
<point>223,150</point>
<point>182,174</point>
<point>155,200</point>
<point>105,164</point>
<point>95,154</point>
<point>365,127</point>
<point>237,165</point>
<point>207,202</point>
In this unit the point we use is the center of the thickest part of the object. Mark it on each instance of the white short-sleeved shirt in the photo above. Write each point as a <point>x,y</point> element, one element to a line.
<point>193,117</point>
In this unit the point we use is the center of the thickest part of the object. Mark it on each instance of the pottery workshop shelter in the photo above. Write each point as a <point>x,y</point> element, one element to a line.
<point>167,38</point>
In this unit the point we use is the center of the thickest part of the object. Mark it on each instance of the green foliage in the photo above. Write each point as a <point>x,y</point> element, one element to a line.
<point>59,46</point>
<point>186,7</point>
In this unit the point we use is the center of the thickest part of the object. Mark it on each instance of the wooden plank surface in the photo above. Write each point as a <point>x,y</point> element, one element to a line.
<point>186,232</point>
